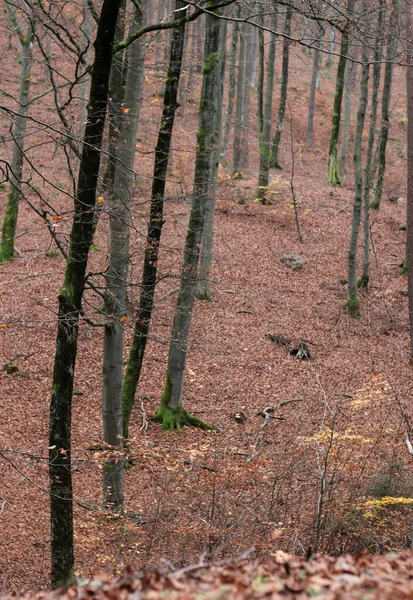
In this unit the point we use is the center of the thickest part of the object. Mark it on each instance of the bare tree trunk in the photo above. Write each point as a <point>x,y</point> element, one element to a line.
<point>237,149</point>
<point>231,83</point>
<point>117,272</point>
<point>171,412</point>
<point>313,88</point>
<point>265,126</point>
<point>70,298</point>
<point>352,304</point>
<point>333,164</point>
<point>249,64</point>
<point>8,234</point>
<point>150,266</point>
<point>364,279</point>
<point>349,85</point>
<point>329,59</point>
<point>385,106</point>
<point>284,90</point>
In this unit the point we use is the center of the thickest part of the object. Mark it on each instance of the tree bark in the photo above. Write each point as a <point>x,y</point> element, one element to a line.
<point>117,272</point>
<point>284,90</point>
<point>8,234</point>
<point>237,149</point>
<point>150,266</point>
<point>313,88</point>
<point>70,297</point>
<point>231,83</point>
<point>171,412</point>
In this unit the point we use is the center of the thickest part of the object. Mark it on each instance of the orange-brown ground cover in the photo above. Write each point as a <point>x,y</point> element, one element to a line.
<point>300,483</point>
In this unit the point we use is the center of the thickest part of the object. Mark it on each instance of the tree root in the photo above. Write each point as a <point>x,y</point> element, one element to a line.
<point>352,307</point>
<point>176,419</point>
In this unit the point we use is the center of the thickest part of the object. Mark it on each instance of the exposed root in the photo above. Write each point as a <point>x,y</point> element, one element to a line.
<point>176,419</point>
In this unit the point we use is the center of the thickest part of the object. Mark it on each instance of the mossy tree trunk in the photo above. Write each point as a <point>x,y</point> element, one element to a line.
<point>385,107</point>
<point>352,305</point>
<point>117,273</point>
<point>70,297</point>
<point>284,91</point>
<point>150,266</point>
<point>265,124</point>
<point>8,233</point>
<point>364,279</point>
<point>333,164</point>
<point>409,232</point>
<point>171,412</point>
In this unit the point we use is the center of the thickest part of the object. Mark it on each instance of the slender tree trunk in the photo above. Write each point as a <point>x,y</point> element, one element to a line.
<point>203,290</point>
<point>352,304</point>
<point>246,97</point>
<point>87,30</point>
<point>364,279</point>
<point>385,106</point>
<point>150,266</point>
<point>265,127</point>
<point>284,90</point>
<point>117,272</point>
<point>409,232</point>
<point>313,88</point>
<point>231,83</point>
<point>8,234</point>
<point>237,149</point>
<point>171,412</point>
<point>70,297</point>
<point>349,85</point>
<point>329,59</point>
<point>333,165</point>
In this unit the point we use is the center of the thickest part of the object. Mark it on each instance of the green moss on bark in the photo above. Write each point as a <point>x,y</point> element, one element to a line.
<point>176,419</point>
<point>352,307</point>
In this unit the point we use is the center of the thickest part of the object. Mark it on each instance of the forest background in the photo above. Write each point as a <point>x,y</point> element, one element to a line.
<point>305,455</point>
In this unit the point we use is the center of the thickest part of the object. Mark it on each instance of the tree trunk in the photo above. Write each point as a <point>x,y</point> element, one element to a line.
<point>352,304</point>
<point>333,165</point>
<point>385,106</point>
<point>231,83</point>
<point>246,97</point>
<point>203,290</point>
<point>117,273</point>
<point>171,412</point>
<point>8,234</point>
<point>313,88</point>
<point>265,127</point>
<point>409,232</point>
<point>150,266</point>
<point>329,59</point>
<point>364,279</point>
<point>284,90</point>
<point>237,149</point>
<point>349,85</point>
<point>70,297</point>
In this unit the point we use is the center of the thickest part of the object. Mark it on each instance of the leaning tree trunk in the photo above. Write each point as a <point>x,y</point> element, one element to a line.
<point>70,298</point>
<point>364,279</point>
<point>265,127</point>
<point>8,233</point>
<point>150,266</point>
<point>385,107</point>
<point>171,412</point>
<point>333,165</point>
<point>352,304</point>
<point>284,90</point>
<point>117,272</point>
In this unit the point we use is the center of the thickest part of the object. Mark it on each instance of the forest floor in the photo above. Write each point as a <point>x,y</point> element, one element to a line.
<point>311,478</point>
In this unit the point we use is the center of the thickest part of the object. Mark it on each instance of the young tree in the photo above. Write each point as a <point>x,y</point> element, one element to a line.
<point>171,413</point>
<point>313,86</point>
<point>25,31</point>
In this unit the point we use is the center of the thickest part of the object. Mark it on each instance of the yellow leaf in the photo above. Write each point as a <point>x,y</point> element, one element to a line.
<point>57,217</point>
<point>3,325</point>
<point>124,319</point>
<point>101,198</point>
<point>126,110</point>
<point>155,100</point>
